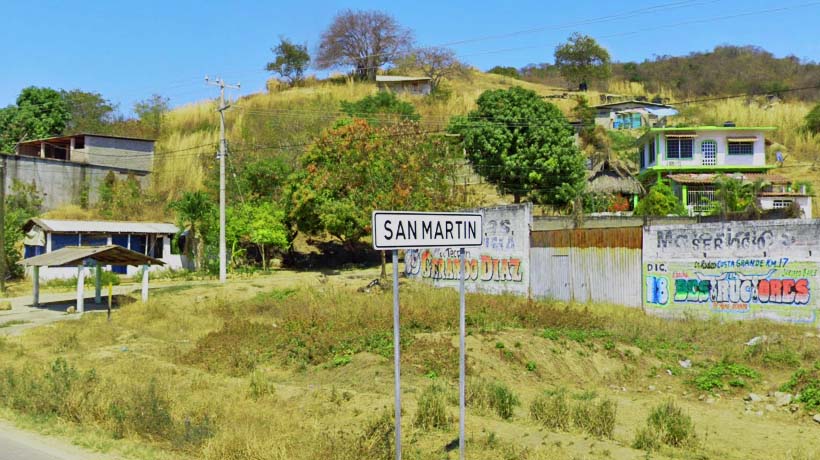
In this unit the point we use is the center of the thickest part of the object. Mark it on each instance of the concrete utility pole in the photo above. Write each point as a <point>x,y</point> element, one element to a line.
<point>223,272</point>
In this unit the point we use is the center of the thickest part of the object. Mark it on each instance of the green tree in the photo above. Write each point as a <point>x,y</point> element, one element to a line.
<point>581,60</point>
<point>195,212</point>
<point>291,61</point>
<point>89,112</point>
<point>523,145</point>
<point>660,201</point>
<point>813,120</point>
<point>734,195</point>
<point>356,168</point>
<point>23,203</point>
<point>506,71</point>
<point>151,113</point>
<point>38,113</point>
<point>382,107</point>
<point>260,223</point>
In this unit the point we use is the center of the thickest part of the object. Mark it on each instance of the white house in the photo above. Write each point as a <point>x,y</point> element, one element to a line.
<point>631,114</point>
<point>154,239</point>
<point>399,84</point>
<point>692,160</point>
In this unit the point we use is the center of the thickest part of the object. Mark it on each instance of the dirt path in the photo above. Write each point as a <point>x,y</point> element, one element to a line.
<point>16,444</point>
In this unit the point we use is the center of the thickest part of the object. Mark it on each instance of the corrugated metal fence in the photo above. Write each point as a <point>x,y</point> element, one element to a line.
<point>587,265</point>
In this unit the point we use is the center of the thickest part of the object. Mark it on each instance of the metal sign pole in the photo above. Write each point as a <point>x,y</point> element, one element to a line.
<point>461,358</point>
<point>396,350</point>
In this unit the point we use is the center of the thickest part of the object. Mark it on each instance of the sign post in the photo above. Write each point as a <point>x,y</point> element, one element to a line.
<point>396,230</point>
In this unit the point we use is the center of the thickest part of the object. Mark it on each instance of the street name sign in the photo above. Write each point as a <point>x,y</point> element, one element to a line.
<point>410,230</point>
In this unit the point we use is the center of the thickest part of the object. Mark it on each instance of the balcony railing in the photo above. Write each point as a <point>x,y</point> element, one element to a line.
<point>700,201</point>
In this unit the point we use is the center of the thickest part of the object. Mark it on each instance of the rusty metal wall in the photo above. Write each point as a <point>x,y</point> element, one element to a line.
<point>587,265</point>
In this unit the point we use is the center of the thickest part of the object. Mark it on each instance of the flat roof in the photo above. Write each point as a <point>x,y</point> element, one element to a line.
<point>68,138</point>
<point>391,78</point>
<point>73,256</point>
<point>632,101</point>
<point>101,226</point>
<point>705,128</point>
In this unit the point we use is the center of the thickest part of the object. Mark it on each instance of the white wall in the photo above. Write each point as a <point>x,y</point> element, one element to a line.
<point>723,158</point>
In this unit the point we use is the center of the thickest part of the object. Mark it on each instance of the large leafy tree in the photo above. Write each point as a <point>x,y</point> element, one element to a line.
<point>581,60</point>
<point>89,112</point>
<point>292,59</point>
<point>365,40</point>
<point>523,145</point>
<point>151,113</point>
<point>38,113</point>
<point>355,168</point>
<point>260,223</point>
<point>23,203</point>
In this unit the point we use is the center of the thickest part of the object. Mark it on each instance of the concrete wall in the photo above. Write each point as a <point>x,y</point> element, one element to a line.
<point>767,202</point>
<point>119,153</point>
<point>501,265</point>
<point>737,270</point>
<point>62,182</point>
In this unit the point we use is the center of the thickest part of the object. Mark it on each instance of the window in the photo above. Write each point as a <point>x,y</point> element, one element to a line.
<point>651,151</point>
<point>679,147</point>
<point>93,240</point>
<point>31,251</point>
<point>781,204</point>
<point>59,241</point>
<point>139,243</point>
<point>79,142</point>
<point>741,147</point>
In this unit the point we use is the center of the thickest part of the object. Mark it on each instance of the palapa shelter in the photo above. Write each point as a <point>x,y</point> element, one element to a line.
<point>610,177</point>
<point>80,257</point>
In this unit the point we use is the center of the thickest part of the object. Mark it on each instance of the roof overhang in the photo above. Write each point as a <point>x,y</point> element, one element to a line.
<point>74,256</point>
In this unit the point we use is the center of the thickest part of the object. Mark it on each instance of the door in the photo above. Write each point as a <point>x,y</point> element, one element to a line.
<point>708,150</point>
<point>120,240</point>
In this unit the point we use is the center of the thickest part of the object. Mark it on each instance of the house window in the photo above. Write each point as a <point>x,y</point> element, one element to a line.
<point>741,148</point>
<point>651,151</point>
<point>679,148</point>
<point>781,204</point>
<point>59,241</point>
<point>79,142</point>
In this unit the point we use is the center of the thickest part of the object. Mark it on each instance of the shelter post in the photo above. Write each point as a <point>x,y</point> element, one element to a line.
<point>98,283</point>
<point>35,278</point>
<point>80,288</point>
<point>145,283</point>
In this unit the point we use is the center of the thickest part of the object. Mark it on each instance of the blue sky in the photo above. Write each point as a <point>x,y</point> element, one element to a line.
<point>129,50</point>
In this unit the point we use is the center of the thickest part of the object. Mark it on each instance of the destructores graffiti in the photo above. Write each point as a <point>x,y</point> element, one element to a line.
<point>744,269</point>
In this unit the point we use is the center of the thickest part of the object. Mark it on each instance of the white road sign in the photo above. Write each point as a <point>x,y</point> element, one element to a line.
<point>408,230</point>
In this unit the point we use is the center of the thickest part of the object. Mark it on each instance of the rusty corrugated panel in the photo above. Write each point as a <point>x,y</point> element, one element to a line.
<point>623,237</point>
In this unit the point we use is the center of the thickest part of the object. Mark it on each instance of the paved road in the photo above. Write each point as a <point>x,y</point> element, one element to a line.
<point>16,444</point>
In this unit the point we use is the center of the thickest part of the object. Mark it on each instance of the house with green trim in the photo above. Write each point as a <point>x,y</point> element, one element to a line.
<point>691,159</point>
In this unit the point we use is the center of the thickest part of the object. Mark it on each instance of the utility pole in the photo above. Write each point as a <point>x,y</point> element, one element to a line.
<point>3,268</point>
<point>223,272</point>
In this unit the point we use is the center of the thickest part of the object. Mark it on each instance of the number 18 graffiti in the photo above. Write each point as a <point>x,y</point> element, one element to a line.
<point>657,290</point>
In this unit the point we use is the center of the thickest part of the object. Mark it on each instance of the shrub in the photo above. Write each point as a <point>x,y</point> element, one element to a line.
<point>495,396</point>
<point>377,437</point>
<point>807,383</point>
<point>718,376</point>
<point>674,428</point>
<point>432,411</point>
<point>552,410</point>
<point>646,439</point>
<point>601,421</point>
<point>260,385</point>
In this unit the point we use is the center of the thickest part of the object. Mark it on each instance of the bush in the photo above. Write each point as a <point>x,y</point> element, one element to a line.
<point>432,410</point>
<point>646,439</point>
<point>552,410</point>
<point>718,376</point>
<point>495,396</point>
<point>807,383</point>
<point>673,427</point>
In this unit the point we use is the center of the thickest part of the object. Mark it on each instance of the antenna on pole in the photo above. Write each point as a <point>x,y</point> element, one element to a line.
<point>223,272</point>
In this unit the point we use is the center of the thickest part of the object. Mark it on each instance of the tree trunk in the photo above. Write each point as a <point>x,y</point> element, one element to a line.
<point>200,251</point>
<point>384,265</point>
<point>516,198</point>
<point>262,251</point>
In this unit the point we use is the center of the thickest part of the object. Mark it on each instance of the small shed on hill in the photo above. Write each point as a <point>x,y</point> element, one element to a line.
<point>400,84</point>
<point>631,114</point>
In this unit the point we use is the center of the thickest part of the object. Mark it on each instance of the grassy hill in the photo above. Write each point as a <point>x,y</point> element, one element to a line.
<point>284,121</point>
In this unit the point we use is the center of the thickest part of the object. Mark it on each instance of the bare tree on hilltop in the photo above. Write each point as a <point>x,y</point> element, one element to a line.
<point>365,40</point>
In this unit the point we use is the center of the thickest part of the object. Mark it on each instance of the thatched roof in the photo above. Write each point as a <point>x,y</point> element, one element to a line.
<point>610,176</point>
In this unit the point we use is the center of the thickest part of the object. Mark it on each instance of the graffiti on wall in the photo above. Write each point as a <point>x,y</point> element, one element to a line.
<point>754,271</point>
<point>500,264</point>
